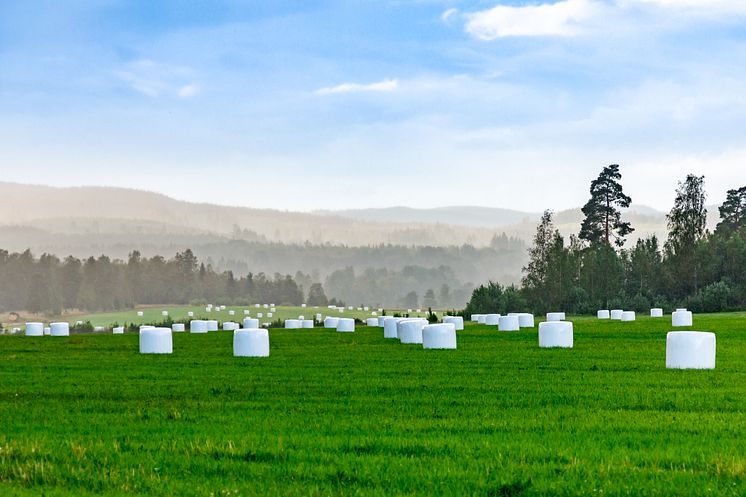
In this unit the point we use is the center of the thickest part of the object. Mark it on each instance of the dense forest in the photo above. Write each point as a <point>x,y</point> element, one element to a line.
<point>694,268</point>
<point>48,284</point>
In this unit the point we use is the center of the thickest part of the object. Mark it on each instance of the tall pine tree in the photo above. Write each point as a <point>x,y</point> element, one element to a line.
<point>603,218</point>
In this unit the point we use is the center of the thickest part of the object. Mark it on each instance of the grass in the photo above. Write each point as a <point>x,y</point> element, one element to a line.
<point>353,414</point>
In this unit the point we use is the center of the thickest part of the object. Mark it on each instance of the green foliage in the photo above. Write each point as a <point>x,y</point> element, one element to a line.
<point>603,217</point>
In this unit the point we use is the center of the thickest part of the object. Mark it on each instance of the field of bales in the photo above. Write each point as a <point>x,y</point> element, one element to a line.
<point>354,414</point>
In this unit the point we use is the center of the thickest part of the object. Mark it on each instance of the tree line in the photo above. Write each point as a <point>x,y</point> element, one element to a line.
<point>49,284</point>
<point>694,268</point>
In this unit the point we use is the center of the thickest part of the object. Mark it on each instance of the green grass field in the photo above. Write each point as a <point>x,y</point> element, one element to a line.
<point>353,414</point>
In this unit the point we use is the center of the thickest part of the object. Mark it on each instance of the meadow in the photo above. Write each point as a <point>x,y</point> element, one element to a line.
<point>353,414</point>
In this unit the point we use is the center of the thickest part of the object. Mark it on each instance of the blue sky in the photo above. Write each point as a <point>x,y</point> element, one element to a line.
<point>299,105</point>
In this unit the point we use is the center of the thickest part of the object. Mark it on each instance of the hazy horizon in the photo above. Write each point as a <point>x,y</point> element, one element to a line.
<point>334,105</point>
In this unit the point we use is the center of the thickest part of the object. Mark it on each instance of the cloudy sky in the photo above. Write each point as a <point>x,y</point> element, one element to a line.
<point>307,104</point>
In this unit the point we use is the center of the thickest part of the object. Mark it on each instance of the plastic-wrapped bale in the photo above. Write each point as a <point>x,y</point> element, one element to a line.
<point>318,318</point>
<point>47,330</point>
<point>34,329</point>
<point>98,329</point>
<point>260,314</point>
<point>492,319</point>
<point>156,341</point>
<point>208,309</point>
<point>300,318</point>
<point>690,350</point>
<point>555,334</point>
<point>457,321</point>
<point>439,336</point>
<point>190,314</point>
<point>118,330</point>
<point>164,313</point>
<point>303,305</point>
<point>474,318</point>
<point>251,342</point>
<point>307,323</point>
<point>246,312</point>
<point>212,325</point>
<point>230,326</point>
<point>178,327</point>
<point>389,327</point>
<point>526,320</point>
<point>381,321</point>
<point>616,314</point>
<point>603,314</point>
<point>231,313</point>
<point>349,307</point>
<point>371,322</point>
<point>269,314</point>
<point>331,323</point>
<point>656,312</point>
<point>59,329</point>
<point>292,324</point>
<point>250,324</point>
<point>139,314</point>
<point>555,316</point>
<point>222,307</point>
<point>266,306</point>
<point>410,330</point>
<point>509,323</point>
<point>346,325</point>
<point>366,308</point>
<point>681,318</point>
<point>482,318</point>
<point>257,305</point>
<point>628,316</point>
<point>198,326</point>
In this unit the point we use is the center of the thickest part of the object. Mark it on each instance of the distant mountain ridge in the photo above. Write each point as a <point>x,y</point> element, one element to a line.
<point>457,215</point>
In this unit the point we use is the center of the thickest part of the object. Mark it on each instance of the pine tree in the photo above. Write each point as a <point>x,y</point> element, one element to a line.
<point>733,213</point>
<point>603,218</point>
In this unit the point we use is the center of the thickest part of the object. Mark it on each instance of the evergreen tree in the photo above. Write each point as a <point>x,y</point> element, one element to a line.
<point>316,295</point>
<point>733,213</point>
<point>429,299</point>
<point>603,218</point>
<point>536,272</point>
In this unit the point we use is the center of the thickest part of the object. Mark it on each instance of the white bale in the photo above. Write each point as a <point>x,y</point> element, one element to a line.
<point>526,320</point>
<point>300,318</point>
<point>307,323</point>
<point>380,309</point>
<point>331,322</point>
<point>616,314</point>
<point>98,328</point>
<point>208,309</point>
<point>457,321</point>
<point>366,308</point>
<point>34,329</point>
<point>156,341</point>
<point>374,313</point>
<point>555,334</point>
<point>482,318</point>
<point>656,312</point>
<point>381,321</point>
<point>269,314</point>
<point>230,326</point>
<point>265,306</point>
<point>492,319</point>
<point>231,313</point>
<point>212,325</point>
<point>690,350</point>
<point>251,342</point>
<point>260,314</point>
<point>164,313</point>
<point>389,327</point>
<point>349,307</point>
<point>198,326</point>
<point>555,316</point>
<point>257,305</point>
<point>628,316</point>
<point>250,323</point>
<point>139,314</point>
<point>681,318</point>
<point>222,307</point>
<point>318,317</point>
<point>190,314</point>
<point>292,324</point>
<point>509,323</point>
<point>13,331</point>
<point>246,312</point>
<point>439,336</point>
<point>303,305</point>
<point>346,325</point>
<point>409,311</point>
<point>47,330</point>
<point>178,327</point>
<point>78,323</point>
<point>474,318</point>
<point>59,329</point>
<point>371,322</point>
<point>118,330</point>
<point>419,310</point>
<point>603,314</point>
<point>410,330</point>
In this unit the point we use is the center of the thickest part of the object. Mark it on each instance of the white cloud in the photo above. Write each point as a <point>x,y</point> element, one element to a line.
<point>712,7</point>
<point>564,18</point>
<point>381,86</point>
<point>154,79</point>
<point>448,14</point>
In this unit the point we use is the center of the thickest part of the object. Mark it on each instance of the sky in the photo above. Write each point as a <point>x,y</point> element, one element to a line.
<point>336,104</point>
